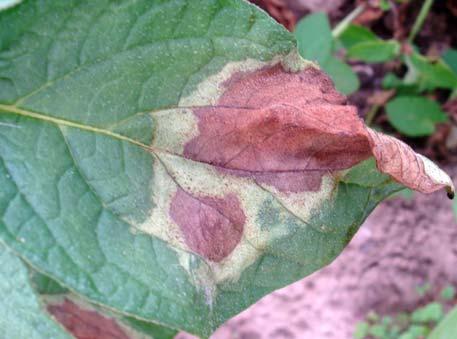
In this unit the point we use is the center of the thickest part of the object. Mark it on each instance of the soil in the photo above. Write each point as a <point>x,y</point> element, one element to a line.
<point>404,244</point>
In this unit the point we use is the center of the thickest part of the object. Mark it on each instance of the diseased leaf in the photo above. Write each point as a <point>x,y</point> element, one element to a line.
<point>414,115</point>
<point>374,50</point>
<point>22,313</point>
<point>89,321</point>
<point>84,322</point>
<point>176,161</point>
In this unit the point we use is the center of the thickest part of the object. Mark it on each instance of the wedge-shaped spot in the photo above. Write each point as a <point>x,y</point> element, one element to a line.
<point>211,226</point>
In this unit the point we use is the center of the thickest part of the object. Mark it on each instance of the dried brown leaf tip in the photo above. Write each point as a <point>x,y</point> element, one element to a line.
<point>289,129</point>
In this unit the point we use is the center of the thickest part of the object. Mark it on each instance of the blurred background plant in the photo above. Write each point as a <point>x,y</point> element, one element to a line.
<point>433,319</point>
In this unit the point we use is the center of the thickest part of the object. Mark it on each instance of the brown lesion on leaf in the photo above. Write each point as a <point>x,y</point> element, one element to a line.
<point>287,130</point>
<point>274,126</point>
<point>212,226</point>
<point>85,324</point>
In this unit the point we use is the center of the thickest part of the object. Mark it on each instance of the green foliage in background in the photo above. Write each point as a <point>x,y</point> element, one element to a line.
<point>322,50</point>
<point>429,321</point>
<point>409,111</point>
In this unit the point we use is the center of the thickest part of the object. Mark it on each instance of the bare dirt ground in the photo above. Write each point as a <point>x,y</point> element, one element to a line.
<point>403,244</point>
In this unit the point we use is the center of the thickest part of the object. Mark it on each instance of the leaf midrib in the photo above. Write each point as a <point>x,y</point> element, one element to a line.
<point>63,122</point>
<point>8,109</point>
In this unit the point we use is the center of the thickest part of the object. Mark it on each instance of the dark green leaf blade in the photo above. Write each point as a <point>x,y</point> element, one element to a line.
<point>356,34</point>
<point>374,51</point>
<point>414,116</point>
<point>450,58</point>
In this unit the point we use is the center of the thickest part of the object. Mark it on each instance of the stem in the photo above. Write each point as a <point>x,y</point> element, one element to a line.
<point>371,115</point>
<point>420,19</point>
<point>344,24</point>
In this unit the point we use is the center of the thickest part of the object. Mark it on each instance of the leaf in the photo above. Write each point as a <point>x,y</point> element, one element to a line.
<point>432,312</point>
<point>447,328</point>
<point>374,51</point>
<point>44,285</point>
<point>448,293</point>
<point>176,161</point>
<point>415,331</point>
<point>89,321</point>
<point>85,321</point>
<point>356,34</point>
<point>433,74</point>
<point>346,81</point>
<point>314,37</point>
<point>361,330</point>
<point>414,116</point>
<point>22,313</point>
<point>402,86</point>
<point>450,58</point>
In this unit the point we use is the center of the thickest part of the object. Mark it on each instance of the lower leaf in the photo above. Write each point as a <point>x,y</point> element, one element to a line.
<point>23,315</point>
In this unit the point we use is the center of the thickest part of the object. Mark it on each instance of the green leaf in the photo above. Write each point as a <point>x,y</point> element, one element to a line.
<point>455,208</point>
<point>45,285</point>
<point>150,329</point>
<point>450,58</point>
<point>23,316</point>
<point>433,74</point>
<point>374,51</point>
<point>356,34</point>
<point>361,330</point>
<point>414,116</point>
<point>402,87</point>
<point>314,37</point>
<point>447,328</point>
<point>448,293</point>
<point>415,332</point>
<point>346,81</point>
<point>378,331</point>
<point>365,174</point>
<point>432,312</point>
<point>385,5</point>
<point>405,194</point>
